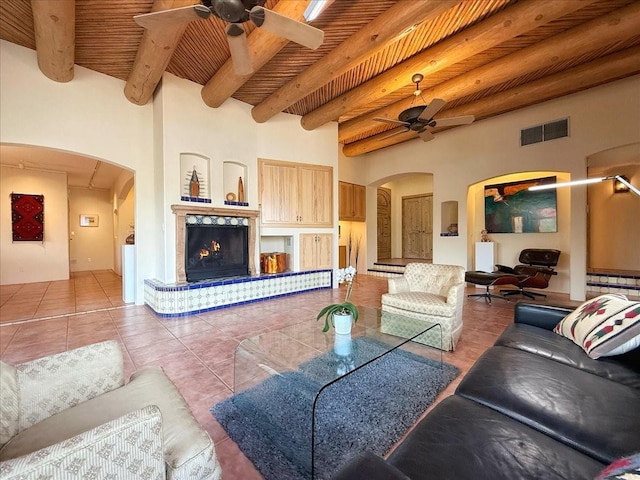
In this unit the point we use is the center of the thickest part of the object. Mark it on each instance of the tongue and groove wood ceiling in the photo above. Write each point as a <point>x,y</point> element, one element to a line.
<point>484,57</point>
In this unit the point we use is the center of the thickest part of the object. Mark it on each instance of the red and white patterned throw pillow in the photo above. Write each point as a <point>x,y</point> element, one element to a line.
<point>603,326</point>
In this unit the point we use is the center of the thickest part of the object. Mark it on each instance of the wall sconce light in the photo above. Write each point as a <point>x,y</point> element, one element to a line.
<point>620,187</point>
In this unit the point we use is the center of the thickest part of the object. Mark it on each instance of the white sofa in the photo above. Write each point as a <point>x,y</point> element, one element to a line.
<point>428,293</point>
<point>70,416</point>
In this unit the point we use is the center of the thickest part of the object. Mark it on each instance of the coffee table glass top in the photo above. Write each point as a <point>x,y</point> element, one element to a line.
<point>292,348</point>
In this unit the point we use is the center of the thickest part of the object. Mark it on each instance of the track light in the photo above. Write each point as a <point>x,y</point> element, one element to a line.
<point>586,181</point>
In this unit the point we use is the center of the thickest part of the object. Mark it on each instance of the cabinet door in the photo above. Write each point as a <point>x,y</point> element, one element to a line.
<point>324,257</point>
<point>359,203</point>
<point>315,251</point>
<point>279,194</point>
<point>316,196</point>
<point>345,200</point>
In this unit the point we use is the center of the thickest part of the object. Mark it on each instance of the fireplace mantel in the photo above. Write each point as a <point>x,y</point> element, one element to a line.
<point>181,211</point>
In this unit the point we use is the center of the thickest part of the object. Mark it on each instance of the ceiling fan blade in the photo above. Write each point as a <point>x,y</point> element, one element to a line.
<point>451,121</point>
<point>426,135</point>
<point>239,48</point>
<point>173,17</point>
<point>285,27</point>
<point>392,122</point>
<point>433,108</point>
<point>394,133</point>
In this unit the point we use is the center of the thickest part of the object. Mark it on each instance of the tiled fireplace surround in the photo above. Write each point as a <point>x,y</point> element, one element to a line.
<point>182,298</point>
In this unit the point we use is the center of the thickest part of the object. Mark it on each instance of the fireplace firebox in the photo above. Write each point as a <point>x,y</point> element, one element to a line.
<point>216,251</point>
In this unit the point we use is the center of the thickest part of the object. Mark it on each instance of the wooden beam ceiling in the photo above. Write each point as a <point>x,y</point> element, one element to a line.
<point>263,46</point>
<point>605,69</point>
<point>616,26</point>
<point>509,23</point>
<point>395,22</point>
<point>154,53</point>
<point>54,26</point>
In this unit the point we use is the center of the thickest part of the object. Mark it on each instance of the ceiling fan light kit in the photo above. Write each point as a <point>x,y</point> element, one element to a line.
<point>236,12</point>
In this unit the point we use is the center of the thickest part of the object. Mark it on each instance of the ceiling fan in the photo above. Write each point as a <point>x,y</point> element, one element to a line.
<point>418,118</point>
<point>237,12</point>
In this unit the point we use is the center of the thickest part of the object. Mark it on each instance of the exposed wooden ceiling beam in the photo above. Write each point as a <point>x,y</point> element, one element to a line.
<point>154,53</point>
<point>55,33</point>
<point>263,46</point>
<point>364,43</point>
<point>605,69</point>
<point>616,26</point>
<point>505,25</point>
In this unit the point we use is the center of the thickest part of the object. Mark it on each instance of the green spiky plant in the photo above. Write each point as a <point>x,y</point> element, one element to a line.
<point>344,308</point>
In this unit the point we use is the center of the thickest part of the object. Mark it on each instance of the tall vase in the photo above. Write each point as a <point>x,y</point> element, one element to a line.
<point>342,323</point>
<point>240,190</point>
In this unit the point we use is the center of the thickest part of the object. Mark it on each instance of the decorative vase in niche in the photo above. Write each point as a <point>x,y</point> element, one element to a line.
<point>240,190</point>
<point>342,345</point>
<point>194,184</point>
<point>342,323</point>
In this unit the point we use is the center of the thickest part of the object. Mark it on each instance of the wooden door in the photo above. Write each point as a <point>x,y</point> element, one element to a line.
<point>359,203</point>
<point>345,200</point>
<point>316,251</point>
<point>417,227</point>
<point>324,259</point>
<point>384,223</point>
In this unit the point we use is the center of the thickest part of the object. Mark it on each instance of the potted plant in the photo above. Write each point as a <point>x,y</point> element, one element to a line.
<point>341,312</point>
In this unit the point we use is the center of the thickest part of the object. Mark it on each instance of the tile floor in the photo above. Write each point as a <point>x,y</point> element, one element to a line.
<point>196,351</point>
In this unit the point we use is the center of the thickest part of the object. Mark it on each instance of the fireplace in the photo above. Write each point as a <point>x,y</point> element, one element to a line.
<point>215,251</point>
<point>213,243</point>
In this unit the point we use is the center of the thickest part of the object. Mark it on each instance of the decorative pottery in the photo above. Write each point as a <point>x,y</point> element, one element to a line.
<point>342,323</point>
<point>194,184</point>
<point>240,190</point>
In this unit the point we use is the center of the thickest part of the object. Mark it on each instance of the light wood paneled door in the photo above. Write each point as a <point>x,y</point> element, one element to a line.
<point>384,223</point>
<point>417,227</point>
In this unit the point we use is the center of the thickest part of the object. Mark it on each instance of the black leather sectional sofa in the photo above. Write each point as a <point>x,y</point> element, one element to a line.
<point>534,406</point>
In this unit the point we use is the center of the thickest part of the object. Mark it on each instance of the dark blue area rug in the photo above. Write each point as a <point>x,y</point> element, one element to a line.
<point>368,410</point>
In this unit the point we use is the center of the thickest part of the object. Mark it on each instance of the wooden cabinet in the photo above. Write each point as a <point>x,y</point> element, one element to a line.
<point>294,194</point>
<point>315,251</point>
<point>352,202</point>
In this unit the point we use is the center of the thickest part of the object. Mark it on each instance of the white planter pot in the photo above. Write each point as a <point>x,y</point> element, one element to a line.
<point>342,323</point>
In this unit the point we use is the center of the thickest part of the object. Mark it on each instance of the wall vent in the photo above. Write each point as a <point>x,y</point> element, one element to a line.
<point>545,132</point>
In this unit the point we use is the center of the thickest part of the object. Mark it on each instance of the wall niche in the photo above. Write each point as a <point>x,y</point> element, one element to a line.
<point>235,188</point>
<point>194,178</point>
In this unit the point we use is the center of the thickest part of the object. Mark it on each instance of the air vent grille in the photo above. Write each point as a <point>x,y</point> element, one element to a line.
<point>545,132</point>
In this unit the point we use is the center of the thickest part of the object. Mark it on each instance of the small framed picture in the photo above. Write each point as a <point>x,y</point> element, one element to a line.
<point>89,220</point>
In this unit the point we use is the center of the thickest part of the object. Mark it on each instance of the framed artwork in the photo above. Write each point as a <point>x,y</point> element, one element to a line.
<point>88,220</point>
<point>512,208</point>
<point>27,217</point>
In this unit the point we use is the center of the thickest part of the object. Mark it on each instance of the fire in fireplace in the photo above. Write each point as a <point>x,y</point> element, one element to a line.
<point>216,251</point>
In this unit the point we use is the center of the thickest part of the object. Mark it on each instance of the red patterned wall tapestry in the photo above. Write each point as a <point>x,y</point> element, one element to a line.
<point>27,217</point>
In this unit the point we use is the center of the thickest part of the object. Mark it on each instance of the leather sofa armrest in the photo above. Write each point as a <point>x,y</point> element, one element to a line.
<point>368,466</point>
<point>134,438</point>
<point>398,285</point>
<point>538,315</point>
<point>505,269</point>
<point>54,383</point>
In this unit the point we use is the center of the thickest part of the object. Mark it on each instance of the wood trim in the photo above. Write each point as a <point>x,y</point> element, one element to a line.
<point>181,211</point>
<point>498,28</point>
<point>605,69</point>
<point>363,44</point>
<point>263,46</point>
<point>54,24</point>
<point>616,26</point>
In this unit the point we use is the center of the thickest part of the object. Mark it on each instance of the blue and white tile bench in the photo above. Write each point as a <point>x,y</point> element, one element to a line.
<point>179,300</point>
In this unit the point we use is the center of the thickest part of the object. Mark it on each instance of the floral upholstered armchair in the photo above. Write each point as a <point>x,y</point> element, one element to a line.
<point>70,416</point>
<point>426,293</point>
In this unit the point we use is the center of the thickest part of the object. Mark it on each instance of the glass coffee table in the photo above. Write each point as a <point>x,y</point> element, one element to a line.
<point>303,349</point>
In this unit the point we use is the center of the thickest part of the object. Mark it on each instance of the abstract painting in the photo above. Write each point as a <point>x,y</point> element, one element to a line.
<point>512,208</point>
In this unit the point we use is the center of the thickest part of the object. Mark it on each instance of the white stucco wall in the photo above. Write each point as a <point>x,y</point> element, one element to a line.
<point>600,118</point>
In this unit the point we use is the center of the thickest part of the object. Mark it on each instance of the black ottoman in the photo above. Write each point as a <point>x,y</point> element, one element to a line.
<point>490,279</point>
